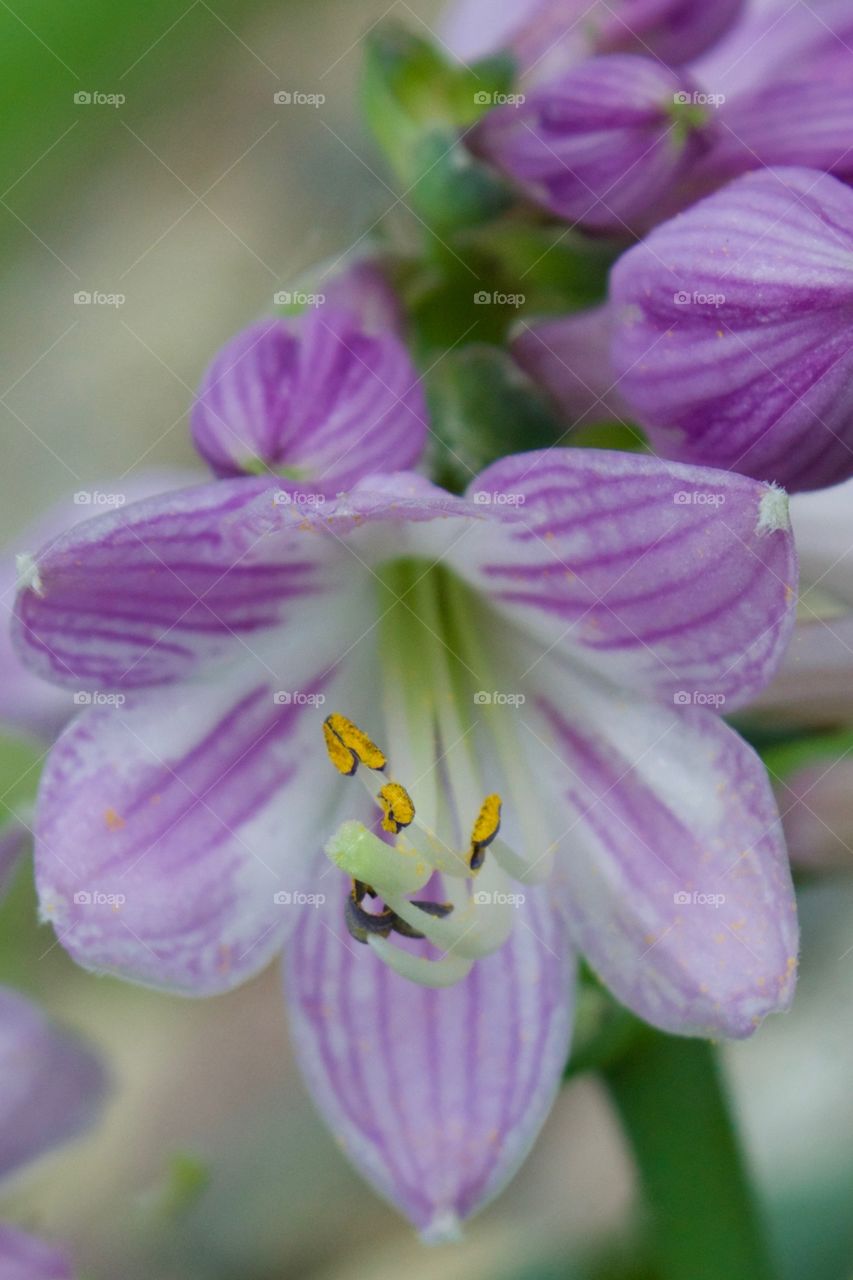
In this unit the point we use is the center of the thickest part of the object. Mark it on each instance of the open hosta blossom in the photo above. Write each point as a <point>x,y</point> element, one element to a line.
<point>436,745</point>
<point>51,1088</point>
<point>598,144</point>
<point>733,329</point>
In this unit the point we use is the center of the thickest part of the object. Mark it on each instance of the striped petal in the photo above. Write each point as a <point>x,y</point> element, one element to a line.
<point>597,144</point>
<point>570,358</point>
<point>672,579</point>
<point>675,879</point>
<point>167,825</point>
<point>26,702</point>
<point>435,1095</point>
<point>25,1257</point>
<point>156,590</point>
<point>51,1086</point>
<point>317,398</point>
<point>733,331</point>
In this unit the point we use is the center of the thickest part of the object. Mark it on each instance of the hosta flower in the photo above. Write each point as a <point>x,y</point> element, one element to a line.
<point>547,35</point>
<point>733,329</point>
<point>51,1088</point>
<point>319,399</point>
<point>598,144</point>
<point>528,679</point>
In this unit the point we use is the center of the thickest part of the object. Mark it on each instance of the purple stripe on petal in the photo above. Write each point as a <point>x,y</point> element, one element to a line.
<point>733,329</point>
<point>673,870</point>
<point>26,1257</point>
<point>168,824</point>
<point>319,397</point>
<point>52,1085</point>
<point>661,576</point>
<point>435,1095</point>
<point>597,144</point>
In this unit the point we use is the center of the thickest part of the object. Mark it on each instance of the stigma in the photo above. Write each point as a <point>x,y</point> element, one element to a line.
<point>386,870</point>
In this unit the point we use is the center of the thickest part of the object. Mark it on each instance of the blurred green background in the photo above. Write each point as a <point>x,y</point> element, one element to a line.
<point>197,198</point>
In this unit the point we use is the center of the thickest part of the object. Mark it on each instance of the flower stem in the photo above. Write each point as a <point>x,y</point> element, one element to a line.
<point>672,1101</point>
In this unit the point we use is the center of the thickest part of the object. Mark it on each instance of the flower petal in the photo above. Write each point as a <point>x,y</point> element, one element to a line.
<point>155,590</point>
<point>52,1085</point>
<point>570,357</point>
<point>25,701</point>
<point>597,144</point>
<point>317,396</point>
<point>733,329</point>
<point>675,878</point>
<point>25,1257</point>
<point>823,528</point>
<point>167,825</point>
<point>661,576</point>
<point>436,1095</point>
<point>814,686</point>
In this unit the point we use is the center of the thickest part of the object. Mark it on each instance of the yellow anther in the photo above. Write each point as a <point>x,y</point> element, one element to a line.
<point>397,808</point>
<point>355,741</point>
<point>344,760</point>
<point>486,827</point>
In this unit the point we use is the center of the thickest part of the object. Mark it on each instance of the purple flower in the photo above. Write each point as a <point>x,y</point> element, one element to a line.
<point>598,144</point>
<point>528,679</point>
<point>550,35</point>
<point>319,399</point>
<point>25,1257</point>
<point>733,329</point>
<point>51,1089</point>
<point>570,358</point>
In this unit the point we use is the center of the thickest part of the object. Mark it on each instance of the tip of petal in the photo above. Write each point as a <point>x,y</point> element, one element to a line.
<point>444,1228</point>
<point>28,576</point>
<point>773,514</point>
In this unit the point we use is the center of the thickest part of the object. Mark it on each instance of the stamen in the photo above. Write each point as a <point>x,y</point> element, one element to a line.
<point>486,827</point>
<point>397,807</point>
<point>360,923</point>
<point>357,747</point>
